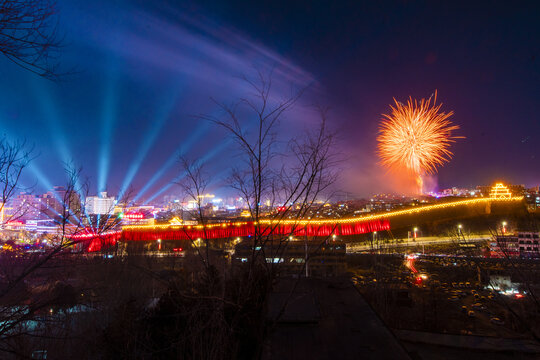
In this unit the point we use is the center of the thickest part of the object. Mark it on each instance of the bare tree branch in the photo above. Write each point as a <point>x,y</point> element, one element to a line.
<point>29,37</point>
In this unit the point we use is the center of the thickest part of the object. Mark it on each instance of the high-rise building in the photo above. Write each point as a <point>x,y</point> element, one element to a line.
<point>26,206</point>
<point>52,203</point>
<point>60,204</point>
<point>100,205</point>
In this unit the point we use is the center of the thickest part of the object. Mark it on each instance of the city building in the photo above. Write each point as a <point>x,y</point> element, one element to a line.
<point>25,206</point>
<point>532,198</point>
<point>138,217</point>
<point>501,190</point>
<point>454,191</point>
<point>52,203</point>
<point>521,244</point>
<point>100,205</point>
<point>41,226</point>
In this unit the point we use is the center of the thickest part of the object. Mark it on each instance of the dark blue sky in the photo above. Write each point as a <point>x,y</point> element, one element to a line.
<point>143,70</point>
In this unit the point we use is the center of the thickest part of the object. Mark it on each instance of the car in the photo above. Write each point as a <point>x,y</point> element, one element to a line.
<point>470,313</point>
<point>453,298</point>
<point>464,309</point>
<point>496,321</point>
<point>478,306</point>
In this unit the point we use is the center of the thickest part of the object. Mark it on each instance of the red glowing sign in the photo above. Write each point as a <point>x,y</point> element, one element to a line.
<point>15,223</point>
<point>135,216</point>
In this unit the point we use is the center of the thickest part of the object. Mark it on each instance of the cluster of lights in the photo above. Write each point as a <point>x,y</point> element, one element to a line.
<point>391,213</point>
<point>176,221</point>
<point>304,222</point>
<point>189,227</point>
<point>176,224</point>
<point>134,216</point>
<point>93,235</point>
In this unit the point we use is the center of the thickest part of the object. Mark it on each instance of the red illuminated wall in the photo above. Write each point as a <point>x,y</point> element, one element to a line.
<point>96,243</point>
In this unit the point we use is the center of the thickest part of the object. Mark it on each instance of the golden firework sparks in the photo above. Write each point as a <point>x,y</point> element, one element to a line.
<point>416,136</point>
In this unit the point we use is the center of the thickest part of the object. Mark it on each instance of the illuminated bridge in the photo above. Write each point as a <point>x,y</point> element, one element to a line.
<point>311,228</point>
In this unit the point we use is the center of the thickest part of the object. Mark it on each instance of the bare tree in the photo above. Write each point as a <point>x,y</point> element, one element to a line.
<point>19,304</point>
<point>33,283</point>
<point>194,185</point>
<point>214,311</point>
<point>14,158</point>
<point>292,178</point>
<point>28,35</point>
<point>291,175</point>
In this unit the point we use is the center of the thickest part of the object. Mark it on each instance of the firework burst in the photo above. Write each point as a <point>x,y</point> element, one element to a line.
<point>416,137</point>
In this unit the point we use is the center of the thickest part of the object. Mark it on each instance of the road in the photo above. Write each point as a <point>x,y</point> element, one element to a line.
<point>426,240</point>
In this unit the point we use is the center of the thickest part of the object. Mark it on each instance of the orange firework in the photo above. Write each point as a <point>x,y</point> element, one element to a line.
<point>416,137</point>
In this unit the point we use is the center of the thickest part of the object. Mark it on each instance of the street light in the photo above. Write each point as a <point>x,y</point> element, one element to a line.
<point>415,230</point>
<point>504,227</point>
<point>159,244</point>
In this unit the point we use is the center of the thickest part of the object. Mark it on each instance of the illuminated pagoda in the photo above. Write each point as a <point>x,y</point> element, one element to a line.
<point>499,191</point>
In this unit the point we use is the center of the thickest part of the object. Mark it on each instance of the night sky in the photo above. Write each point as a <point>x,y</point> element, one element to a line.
<point>140,71</point>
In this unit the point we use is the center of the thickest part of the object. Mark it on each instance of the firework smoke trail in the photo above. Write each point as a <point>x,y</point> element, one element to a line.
<point>416,137</point>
